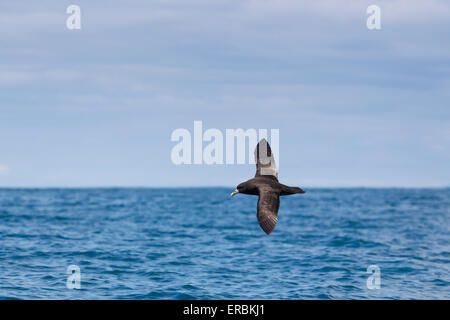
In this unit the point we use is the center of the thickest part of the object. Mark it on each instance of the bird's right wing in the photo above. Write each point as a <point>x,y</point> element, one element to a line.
<point>265,162</point>
<point>268,204</point>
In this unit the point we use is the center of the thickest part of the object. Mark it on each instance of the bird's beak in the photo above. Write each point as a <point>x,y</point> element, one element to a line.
<point>235,192</point>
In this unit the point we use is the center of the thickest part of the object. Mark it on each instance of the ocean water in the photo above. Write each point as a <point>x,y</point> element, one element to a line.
<point>198,243</point>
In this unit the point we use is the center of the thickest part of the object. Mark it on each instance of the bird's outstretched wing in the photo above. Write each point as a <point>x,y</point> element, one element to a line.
<point>268,204</point>
<point>265,162</point>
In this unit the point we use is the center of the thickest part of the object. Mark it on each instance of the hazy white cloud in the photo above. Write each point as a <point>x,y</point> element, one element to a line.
<point>4,169</point>
<point>206,16</point>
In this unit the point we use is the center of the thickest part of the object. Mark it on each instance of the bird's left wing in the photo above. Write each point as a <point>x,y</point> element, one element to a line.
<point>265,162</point>
<point>268,204</point>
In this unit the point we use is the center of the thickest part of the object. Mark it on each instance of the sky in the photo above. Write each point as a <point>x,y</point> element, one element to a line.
<point>97,106</point>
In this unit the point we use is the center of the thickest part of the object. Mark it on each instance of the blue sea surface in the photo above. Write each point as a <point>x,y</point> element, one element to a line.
<point>198,243</point>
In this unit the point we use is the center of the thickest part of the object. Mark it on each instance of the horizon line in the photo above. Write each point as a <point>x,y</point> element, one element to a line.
<point>218,186</point>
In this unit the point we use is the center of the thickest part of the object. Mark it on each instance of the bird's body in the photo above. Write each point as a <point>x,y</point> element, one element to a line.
<point>265,185</point>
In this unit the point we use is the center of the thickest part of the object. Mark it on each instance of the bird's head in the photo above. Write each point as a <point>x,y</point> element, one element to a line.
<point>235,192</point>
<point>245,188</point>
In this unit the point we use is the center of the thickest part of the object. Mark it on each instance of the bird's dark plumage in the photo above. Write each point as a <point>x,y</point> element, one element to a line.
<point>266,186</point>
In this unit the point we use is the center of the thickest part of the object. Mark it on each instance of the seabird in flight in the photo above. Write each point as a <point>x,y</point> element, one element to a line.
<point>265,185</point>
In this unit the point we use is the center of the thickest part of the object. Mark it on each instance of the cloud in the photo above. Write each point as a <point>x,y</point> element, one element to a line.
<point>3,169</point>
<point>135,71</point>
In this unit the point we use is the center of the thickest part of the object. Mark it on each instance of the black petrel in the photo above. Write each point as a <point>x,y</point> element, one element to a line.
<point>265,185</point>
